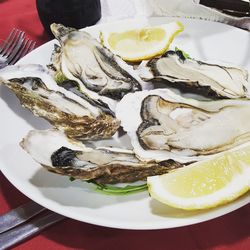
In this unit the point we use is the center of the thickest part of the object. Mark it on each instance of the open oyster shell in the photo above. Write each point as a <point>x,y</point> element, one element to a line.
<point>99,72</point>
<point>72,112</point>
<point>219,80</point>
<point>163,125</point>
<point>102,165</point>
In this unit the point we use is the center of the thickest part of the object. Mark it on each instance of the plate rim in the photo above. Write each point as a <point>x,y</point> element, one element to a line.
<point>117,225</point>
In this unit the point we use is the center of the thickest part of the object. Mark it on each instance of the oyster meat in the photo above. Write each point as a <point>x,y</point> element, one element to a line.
<point>72,112</point>
<point>163,125</point>
<point>219,80</point>
<point>102,165</point>
<point>97,70</point>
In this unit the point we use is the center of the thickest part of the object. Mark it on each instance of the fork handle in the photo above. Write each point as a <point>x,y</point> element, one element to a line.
<point>19,215</point>
<point>21,233</point>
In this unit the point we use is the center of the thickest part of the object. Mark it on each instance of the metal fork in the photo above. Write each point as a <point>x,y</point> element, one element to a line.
<point>14,47</point>
<point>23,222</point>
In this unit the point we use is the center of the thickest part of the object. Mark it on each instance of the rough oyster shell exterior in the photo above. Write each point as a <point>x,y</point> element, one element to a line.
<point>100,164</point>
<point>77,117</point>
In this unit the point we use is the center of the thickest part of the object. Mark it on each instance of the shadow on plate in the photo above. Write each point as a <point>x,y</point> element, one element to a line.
<point>76,193</point>
<point>162,210</point>
<point>13,103</point>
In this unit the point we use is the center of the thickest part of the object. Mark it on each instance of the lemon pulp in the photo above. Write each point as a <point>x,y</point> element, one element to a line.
<point>139,44</point>
<point>204,184</point>
<point>135,41</point>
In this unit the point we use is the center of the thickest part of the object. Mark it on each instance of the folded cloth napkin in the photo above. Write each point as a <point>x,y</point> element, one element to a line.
<point>113,10</point>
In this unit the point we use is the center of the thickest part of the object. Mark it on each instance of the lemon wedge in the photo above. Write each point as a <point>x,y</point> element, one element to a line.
<point>139,44</point>
<point>204,184</point>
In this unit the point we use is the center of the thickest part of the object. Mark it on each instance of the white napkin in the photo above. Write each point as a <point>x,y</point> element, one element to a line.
<point>120,9</point>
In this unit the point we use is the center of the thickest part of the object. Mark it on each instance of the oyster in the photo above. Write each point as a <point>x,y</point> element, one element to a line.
<point>102,165</point>
<point>163,125</point>
<point>206,78</point>
<point>74,113</point>
<point>97,70</point>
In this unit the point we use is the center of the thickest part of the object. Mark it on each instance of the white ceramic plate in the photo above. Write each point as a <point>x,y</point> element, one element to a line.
<point>202,40</point>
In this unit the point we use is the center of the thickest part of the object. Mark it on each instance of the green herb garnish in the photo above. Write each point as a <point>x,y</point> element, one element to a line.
<point>60,77</point>
<point>71,178</point>
<point>186,55</point>
<point>114,190</point>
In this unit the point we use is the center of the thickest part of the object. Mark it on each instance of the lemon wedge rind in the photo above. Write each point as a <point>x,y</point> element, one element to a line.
<point>237,183</point>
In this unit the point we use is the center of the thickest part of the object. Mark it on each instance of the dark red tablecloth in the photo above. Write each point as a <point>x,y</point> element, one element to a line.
<point>229,232</point>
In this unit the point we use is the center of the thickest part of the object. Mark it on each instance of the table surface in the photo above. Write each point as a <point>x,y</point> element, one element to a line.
<point>231,231</point>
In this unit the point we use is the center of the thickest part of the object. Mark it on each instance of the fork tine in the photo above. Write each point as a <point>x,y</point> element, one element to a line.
<point>6,41</point>
<point>9,42</point>
<point>15,47</point>
<point>27,48</point>
<point>18,50</point>
<point>32,46</point>
<point>19,37</point>
<point>23,51</point>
